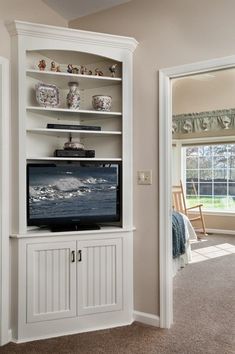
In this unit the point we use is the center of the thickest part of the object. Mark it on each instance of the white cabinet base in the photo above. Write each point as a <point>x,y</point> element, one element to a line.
<point>93,294</point>
<point>72,326</point>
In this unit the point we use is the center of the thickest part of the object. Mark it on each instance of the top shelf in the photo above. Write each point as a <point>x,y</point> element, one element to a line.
<point>62,79</point>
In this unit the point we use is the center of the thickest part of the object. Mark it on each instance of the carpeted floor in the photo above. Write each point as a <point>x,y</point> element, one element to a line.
<point>204,315</point>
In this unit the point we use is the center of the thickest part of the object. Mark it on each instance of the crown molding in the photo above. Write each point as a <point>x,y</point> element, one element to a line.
<point>72,35</point>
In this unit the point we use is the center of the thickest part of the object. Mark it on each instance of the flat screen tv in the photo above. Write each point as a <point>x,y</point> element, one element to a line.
<point>73,195</point>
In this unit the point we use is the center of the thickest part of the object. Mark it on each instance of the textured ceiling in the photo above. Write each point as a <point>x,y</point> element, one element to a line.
<point>72,9</point>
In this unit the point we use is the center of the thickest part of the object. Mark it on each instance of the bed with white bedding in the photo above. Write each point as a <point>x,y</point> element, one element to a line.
<point>185,232</point>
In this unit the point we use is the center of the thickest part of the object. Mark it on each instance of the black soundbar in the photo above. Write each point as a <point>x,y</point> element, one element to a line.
<point>72,127</point>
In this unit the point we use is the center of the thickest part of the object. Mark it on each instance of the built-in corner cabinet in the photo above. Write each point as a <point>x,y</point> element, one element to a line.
<point>68,282</point>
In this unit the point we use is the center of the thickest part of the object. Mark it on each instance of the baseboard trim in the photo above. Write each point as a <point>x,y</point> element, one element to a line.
<point>10,335</point>
<point>146,318</point>
<point>219,231</point>
<point>56,335</point>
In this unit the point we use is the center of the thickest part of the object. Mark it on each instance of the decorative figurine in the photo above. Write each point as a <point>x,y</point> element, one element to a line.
<point>75,70</point>
<point>42,65</point>
<point>112,69</point>
<point>70,68</point>
<point>98,72</point>
<point>73,97</point>
<point>53,66</point>
<point>73,145</point>
<point>83,70</point>
<point>89,72</point>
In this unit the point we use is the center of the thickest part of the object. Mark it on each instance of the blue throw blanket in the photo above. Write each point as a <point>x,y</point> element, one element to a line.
<point>178,234</point>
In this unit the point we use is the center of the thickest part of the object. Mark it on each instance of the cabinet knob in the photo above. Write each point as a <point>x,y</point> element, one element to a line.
<point>79,255</point>
<point>73,256</point>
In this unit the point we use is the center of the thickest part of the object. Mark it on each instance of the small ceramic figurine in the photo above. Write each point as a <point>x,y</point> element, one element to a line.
<point>73,145</point>
<point>70,68</point>
<point>83,70</point>
<point>89,72</point>
<point>53,66</point>
<point>75,70</point>
<point>98,72</point>
<point>42,65</point>
<point>112,69</point>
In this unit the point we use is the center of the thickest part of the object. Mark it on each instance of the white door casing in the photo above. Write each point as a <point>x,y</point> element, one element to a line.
<point>4,201</point>
<point>165,173</point>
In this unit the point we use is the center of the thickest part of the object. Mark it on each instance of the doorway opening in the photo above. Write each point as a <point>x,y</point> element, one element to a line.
<point>166,78</point>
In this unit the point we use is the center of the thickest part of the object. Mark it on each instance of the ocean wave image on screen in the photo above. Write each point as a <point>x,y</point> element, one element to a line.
<point>72,192</point>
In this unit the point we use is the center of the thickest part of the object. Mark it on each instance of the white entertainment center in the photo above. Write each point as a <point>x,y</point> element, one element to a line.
<point>70,282</point>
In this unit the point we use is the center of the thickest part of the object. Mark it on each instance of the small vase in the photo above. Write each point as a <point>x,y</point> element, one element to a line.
<point>73,97</point>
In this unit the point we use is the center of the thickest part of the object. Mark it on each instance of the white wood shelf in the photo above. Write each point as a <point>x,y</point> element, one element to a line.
<point>43,158</point>
<point>58,132</point>
<point>61,79</point>
<point>37,232</point>
<point>79,112</point>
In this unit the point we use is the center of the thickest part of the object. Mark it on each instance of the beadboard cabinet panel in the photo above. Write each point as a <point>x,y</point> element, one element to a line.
<point>51,281</point>
<point>99,276</point>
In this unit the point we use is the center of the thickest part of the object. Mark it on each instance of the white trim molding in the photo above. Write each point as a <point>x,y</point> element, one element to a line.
<point>206,140</point>
<point>165,171</point>
<point>146,318</point>
<point>220,232</point>
<point>216,212</point>
<point>70,35</point>
<point>4,201</point>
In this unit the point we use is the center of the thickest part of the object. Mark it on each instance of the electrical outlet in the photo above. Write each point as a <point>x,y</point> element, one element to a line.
<point>145,177</point>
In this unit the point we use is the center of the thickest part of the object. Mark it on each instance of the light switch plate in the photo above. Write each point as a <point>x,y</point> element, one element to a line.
<point>144,177</point>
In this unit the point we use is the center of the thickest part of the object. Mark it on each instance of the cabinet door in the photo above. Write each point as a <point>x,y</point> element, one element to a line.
<point>99,276</point>
<point>51,281</point>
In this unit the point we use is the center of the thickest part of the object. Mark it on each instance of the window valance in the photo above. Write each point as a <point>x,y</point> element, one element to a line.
<point>203,121</point>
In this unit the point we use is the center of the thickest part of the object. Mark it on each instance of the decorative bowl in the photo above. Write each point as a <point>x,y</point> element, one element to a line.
<point>47,95</point>
<point>102,102</point>
<point>73,145</point>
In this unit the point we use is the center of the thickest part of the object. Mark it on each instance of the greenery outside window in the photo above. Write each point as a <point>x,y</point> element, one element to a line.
<point>210,176</point>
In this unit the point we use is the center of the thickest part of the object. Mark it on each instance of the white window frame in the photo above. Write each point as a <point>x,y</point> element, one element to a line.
<point>209,211</point>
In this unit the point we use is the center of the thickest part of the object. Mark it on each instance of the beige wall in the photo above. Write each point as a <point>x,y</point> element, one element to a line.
<point>220,222</point>
<point>206,92</point>
<point>217,222</point>
<point>24,10</point>
<point>170,33</point>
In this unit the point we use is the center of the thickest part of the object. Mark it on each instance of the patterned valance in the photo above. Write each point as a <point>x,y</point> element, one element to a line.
<point>203,121</point>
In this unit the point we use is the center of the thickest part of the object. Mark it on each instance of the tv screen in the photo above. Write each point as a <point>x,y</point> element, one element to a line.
<point>73,193</point>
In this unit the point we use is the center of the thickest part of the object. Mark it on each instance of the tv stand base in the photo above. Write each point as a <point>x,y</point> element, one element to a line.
<point>64,228</point>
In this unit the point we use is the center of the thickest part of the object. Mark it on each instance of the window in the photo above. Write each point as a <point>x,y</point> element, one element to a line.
<point>210,176</point>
